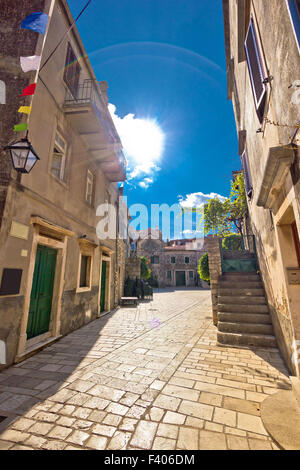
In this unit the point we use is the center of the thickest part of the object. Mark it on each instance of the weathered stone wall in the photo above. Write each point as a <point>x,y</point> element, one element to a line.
<point>133,268</point>
<point>14,42</point>
<point>215,271</point>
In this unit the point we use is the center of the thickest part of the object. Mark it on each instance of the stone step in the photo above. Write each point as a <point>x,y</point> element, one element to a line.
<point>234,317</point>
<point>238,255</point>
<point>256,292</point>
<point>242,300</point>
<point>242,308</point>
<point>240,277</point>
<point>240,284</point>
<point>243,339</point>
<point>252,328</point>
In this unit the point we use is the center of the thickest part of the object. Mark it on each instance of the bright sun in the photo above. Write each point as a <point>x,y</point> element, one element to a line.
<point>142,139</point>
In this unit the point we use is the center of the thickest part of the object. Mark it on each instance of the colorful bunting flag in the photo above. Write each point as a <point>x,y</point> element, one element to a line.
<point>25,109</point>
<point>21,127</point>
<point>30,63</point>
<point>36,22</point>
<point>29,90</point>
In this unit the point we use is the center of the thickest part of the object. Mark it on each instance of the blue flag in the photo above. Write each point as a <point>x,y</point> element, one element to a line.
<point>36,22</point>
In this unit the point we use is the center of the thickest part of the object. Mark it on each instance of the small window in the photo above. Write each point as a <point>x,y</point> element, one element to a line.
<point>191,274</point>
<point>89,187</point>
<point>186,260</point>
<point>294,10</point>
<point>169,274</point>
<point>256,70</point>
<point>72,71</point>
<point>247,175</point>
<point>173,259</point>
<point>85,271</point>
<point>59,157</point>
<point>155,259</point>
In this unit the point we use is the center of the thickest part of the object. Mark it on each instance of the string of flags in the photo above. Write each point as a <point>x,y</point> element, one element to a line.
<point>37,22</point>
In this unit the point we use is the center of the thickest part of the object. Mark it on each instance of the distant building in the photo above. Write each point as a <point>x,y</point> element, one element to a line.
<point>173,263</point>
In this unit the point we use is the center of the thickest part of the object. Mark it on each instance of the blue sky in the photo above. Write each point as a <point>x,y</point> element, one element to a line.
<point>164,60</point>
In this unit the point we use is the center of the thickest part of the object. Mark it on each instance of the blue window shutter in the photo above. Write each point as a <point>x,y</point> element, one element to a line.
<point>247,175</point>
<point>256,69</point>
<point>294,10</point>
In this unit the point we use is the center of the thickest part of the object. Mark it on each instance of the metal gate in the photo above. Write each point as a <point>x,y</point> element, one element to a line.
<point>242,260</point>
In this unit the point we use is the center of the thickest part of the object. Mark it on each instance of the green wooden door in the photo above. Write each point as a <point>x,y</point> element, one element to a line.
<point>41,292</point>
<point>180,278</point>
<point>103,286</point>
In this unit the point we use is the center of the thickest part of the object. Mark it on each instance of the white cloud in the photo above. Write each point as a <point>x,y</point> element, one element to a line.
<point>197,199</point>
<point>146,183</point>
<point>143,144</point>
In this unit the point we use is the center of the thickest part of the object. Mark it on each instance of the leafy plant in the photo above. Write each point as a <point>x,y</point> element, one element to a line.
<point>145,270</point>
<point>220,217</point>
<point>215,219</point>
<point>203,268</point>
<point>233,242</point>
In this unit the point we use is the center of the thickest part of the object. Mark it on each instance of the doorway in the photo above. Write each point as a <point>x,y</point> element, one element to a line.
<point>41,292</point>
<point>103,286</point>
<point>180,279</point>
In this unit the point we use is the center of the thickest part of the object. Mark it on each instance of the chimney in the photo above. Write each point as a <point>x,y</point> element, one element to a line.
<point>104,88</point>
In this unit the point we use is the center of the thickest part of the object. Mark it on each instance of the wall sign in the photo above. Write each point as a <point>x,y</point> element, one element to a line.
<point>293,275</point>
<point>19,230</point>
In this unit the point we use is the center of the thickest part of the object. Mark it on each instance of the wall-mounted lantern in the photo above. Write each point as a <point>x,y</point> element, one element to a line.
<point>22,155</point>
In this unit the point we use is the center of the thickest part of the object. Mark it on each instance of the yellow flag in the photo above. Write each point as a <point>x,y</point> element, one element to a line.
<point>25,109</point>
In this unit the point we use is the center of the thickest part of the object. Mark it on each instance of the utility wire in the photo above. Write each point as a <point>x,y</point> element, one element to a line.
<point>66,33</point>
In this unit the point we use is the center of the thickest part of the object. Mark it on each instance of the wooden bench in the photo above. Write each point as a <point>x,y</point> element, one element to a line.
<point>129,300</point>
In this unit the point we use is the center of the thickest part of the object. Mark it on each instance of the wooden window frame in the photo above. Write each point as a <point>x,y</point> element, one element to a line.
<point>72,71</point>
<point>173,262</point>
<point>62,152</point>
<point>259,102</point>
<point>185,260</point>
<point>89,182</point>
<point>88,287</point>
<point>292,14</point>
<point>247,174</point>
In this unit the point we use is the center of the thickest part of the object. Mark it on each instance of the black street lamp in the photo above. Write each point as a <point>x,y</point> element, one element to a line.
<point>22,155</point>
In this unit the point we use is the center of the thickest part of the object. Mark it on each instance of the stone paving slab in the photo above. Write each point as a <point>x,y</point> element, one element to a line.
<point>150,377</point>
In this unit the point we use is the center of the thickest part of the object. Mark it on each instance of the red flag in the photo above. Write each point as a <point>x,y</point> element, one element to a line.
<point>29,90</point>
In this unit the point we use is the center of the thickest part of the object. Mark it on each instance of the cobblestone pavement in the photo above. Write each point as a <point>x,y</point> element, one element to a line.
<point>149,377</point>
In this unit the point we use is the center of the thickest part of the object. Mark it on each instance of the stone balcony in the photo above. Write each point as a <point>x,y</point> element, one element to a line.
<point>89,117</point>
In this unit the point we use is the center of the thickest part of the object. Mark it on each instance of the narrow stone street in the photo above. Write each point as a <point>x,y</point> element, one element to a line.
<point>149,377</point>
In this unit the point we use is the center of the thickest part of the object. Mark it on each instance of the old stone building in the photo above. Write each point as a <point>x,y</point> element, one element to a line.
<point>57,269</point>
<point>173,263</point>
<point>263,65</point>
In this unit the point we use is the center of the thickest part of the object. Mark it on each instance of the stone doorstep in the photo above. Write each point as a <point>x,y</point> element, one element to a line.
<point>295,381</point>
<point>280,415</point>
<point>36,348</point>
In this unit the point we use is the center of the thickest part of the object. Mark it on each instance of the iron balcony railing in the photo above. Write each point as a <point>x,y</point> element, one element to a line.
<point>86,93</point>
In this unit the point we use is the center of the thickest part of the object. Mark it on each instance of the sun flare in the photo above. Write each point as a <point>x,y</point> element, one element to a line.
<point>142,139</point>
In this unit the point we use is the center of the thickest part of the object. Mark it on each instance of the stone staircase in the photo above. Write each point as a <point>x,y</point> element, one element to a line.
<point>243,314</point>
